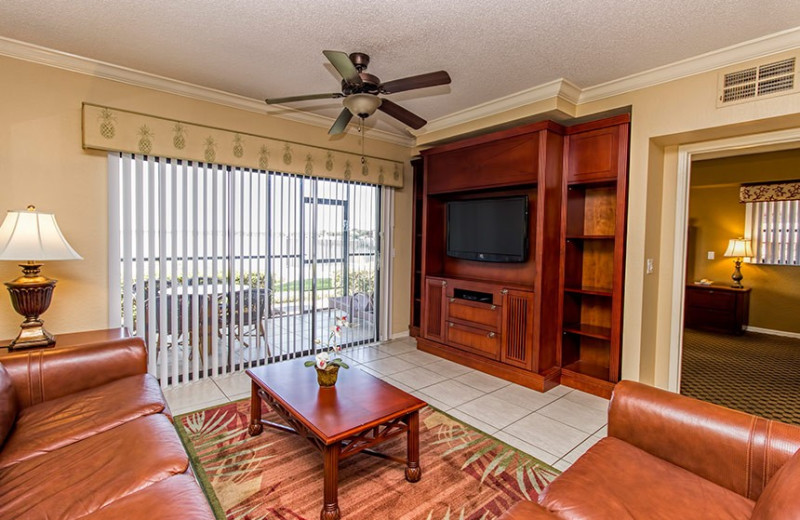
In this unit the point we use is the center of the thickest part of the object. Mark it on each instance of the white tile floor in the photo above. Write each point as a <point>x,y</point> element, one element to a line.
<point>556,427</point>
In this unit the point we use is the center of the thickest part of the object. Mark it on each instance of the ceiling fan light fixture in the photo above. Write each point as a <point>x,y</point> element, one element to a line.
<point>362,105</point>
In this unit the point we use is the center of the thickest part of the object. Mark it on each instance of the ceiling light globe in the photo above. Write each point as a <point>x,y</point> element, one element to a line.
<point>362,105</point>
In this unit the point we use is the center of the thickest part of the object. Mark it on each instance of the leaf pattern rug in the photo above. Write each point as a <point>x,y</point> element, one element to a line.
<point>466,474</point>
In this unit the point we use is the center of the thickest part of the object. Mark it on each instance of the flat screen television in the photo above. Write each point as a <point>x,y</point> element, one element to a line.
<point>488,230</point>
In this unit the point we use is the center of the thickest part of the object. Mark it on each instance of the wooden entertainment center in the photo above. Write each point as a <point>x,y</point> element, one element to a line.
<point>554,317</point>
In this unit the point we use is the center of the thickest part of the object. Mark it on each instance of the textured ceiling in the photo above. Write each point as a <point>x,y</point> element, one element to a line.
<point>264,48</point>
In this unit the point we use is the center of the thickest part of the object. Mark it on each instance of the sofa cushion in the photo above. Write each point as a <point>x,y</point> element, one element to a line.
<point>617,481</point>
<point>8,404</point>
<point>781,498</point>
<point>50,425</point>
<point>175,498</point>
<point>85,476</point>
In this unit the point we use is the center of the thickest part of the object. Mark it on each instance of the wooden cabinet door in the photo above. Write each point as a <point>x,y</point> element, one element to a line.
<point>433,309</point>
<point>517,328</point>
<point>597,155</point>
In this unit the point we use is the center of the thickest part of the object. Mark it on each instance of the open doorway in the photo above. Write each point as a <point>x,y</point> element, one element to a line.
<point>741,345</point>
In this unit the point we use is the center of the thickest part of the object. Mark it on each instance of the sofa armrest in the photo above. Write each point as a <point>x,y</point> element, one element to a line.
<point>736,450</point>
<point>527,511</point>
<point>42,374</point>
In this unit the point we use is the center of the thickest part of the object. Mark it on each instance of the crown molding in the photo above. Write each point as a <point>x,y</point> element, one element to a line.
<point>71,62</point>
<point>559,88</point>
<point>738,53</point>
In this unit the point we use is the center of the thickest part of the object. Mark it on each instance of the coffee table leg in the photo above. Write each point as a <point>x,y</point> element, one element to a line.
<point>413,471</point>
<point>255,411</point>
<point>330,508</point>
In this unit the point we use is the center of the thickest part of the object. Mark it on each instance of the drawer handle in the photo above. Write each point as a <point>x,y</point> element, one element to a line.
<point>494,307</point>
<point>452,300</point>
<point>504,291</point>
<point>491,335</point>
<point>444,282</point>
<point>450,323</point>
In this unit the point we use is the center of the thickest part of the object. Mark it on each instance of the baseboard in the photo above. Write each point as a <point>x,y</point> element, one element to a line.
<point>398,335</point>
<point>784,333</point>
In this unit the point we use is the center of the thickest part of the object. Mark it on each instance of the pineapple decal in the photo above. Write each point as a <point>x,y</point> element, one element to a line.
<point>364,167</point>
<point>210,151</point>
<point>179,139</point>
<point>380,175</point>
<point>145,139</point>
<point>309,164</point>
<point>287,154</point>
<point>396,173</point>
<point>263,157</point>
<point>329,162</point>
<point>107,119</point>
<point>348,171</point>
<point>238,148</point>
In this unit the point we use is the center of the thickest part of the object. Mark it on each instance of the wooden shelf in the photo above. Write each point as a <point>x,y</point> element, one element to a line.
<point>594,291</point>
<point>582,368</point>
<point>592,331</point>
<point>590,237</point>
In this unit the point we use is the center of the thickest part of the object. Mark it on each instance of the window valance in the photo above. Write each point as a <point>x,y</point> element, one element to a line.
<point>113,129</point>
<point>770,191</point>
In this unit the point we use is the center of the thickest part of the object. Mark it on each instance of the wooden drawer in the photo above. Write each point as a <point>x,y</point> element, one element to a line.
<point>720,300</point>
<point>474,314</point>
<point>480,341</point>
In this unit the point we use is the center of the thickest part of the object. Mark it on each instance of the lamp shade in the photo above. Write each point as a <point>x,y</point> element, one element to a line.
<point>739,247</point>
<point>362,105</point>
<point>28,235</point>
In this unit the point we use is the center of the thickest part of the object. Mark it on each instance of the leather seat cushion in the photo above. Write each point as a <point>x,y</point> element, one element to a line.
<point>175,498</point>
<point>50,425</point>
<point>526,510</point>
<point>617,481</point>
<point>8,404</point>
<point>85,476</point>
<point>781,498</point>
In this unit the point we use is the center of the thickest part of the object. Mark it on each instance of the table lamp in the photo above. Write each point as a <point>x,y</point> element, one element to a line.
<point>31,236</point>
<point>738,248</point>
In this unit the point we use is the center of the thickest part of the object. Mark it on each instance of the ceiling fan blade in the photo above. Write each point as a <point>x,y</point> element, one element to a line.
<point>341,122</point>
<point>401,114</point>
<point>290,99</point>
<point>430,79</point>
<point>342,62</point>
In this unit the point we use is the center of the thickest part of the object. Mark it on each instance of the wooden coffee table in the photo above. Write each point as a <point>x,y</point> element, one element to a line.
<point>351,417</point>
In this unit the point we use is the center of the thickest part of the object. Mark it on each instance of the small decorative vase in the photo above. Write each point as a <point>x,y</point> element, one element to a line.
<point>327,376</point>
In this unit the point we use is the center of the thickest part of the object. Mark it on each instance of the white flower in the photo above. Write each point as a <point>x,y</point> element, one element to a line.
<point>322,360</point>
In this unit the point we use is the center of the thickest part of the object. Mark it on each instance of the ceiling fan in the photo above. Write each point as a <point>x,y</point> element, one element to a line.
<point>360,91</point>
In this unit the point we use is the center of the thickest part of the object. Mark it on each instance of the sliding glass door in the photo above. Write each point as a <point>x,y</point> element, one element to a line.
<point>222,268</point>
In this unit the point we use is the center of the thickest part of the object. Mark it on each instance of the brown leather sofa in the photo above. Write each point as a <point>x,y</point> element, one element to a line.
<point>672,457</point>
<point>86,433</point>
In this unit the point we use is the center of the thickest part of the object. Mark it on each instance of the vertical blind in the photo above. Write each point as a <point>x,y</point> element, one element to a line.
<point>774,229</point>
<point>221,268</point>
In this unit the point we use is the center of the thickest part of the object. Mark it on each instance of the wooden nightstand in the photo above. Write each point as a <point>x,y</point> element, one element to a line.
<point>717,308</point>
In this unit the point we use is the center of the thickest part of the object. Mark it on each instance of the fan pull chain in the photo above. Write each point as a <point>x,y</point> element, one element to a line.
<point>361,130</point>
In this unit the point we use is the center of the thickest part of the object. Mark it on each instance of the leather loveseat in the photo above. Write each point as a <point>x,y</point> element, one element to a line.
<point>86,433</point>
<point>672,457</point>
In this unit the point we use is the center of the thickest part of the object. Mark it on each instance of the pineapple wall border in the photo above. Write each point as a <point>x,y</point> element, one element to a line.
<point>114,129</point>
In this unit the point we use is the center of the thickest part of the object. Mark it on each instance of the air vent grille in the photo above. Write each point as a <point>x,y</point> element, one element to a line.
<point>778,77</point>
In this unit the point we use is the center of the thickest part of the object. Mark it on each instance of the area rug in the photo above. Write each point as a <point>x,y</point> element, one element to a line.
<point>466,474</point>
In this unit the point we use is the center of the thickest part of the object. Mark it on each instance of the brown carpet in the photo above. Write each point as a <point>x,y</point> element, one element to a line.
<point>754,373</point>
<point>466,474</point>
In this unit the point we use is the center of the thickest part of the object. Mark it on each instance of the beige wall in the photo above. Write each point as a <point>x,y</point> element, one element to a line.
<point>42,163</point>
<point>664,116</point>
<point>716,216</point>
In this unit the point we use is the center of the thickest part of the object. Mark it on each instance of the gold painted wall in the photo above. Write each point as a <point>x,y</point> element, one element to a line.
<point>716,216</point>
<point>42,163</point>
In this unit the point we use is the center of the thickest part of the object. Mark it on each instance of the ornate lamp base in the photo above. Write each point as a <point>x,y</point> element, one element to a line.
<point>30,295</point>
<point>737,274</point>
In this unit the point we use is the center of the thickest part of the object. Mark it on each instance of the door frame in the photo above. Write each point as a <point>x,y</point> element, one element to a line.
<point>745,144</point>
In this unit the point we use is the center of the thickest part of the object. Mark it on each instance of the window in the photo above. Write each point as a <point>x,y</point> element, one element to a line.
<point>221,268</point>
<point>773,228</point>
